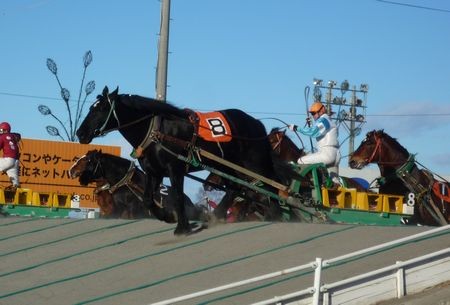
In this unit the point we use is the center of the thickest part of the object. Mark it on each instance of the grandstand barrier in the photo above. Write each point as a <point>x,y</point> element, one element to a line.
<point>342,198</point>
<point>21,196</point>
<point>42,199</point>
<point>61,200</point>
<point>2,196</point>
<point>349,198</point>
<point>25,196</point>
<point>393,203</point>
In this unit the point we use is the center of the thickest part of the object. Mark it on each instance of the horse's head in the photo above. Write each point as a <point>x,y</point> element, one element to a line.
<point>378,147</point>
<point>87,168</point>
<point>368,151</point>
<point>275,137</point>
<point>283,146</point>
<point>101,117</point>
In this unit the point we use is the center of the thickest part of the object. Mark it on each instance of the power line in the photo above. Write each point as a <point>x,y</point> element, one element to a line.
<point>415,6</point>
<point>30,96</point>
<point>258,112</point>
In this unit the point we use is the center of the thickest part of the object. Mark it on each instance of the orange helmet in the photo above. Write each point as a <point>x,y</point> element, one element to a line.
<point>316,107</point>
<point>5,127</point>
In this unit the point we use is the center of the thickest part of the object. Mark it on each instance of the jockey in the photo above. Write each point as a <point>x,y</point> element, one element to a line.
<point>10,161</point>
<point>325,132</point>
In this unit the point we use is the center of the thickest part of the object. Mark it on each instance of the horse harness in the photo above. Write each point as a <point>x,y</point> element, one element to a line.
<point>277,145</point>
<point>126,180</point>
<point>153,133</point>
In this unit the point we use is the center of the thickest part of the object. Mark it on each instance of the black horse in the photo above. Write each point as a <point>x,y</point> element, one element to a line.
<point>120,188</point>
<point>169,141</point>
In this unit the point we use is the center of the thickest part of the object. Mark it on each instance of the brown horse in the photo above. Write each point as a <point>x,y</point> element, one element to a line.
<point>283,147</point>
<point>120,188</point>
<point>118,191</point>
<point>400,175</point>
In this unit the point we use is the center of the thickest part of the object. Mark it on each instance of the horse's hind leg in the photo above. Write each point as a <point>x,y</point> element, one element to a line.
<point>221,211</point>
<point>152,185</point>
<point>272,209</point>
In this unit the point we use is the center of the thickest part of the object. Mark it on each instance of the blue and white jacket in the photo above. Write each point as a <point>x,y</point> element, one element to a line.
<point>324,131</point>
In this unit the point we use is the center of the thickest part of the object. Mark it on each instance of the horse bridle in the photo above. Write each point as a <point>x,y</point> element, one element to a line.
<point>154,124</point>
<point>124,181</point>
<point>376,149</point>
<point>112,111</point>
<point>277,146</point>
<point>97,166</point>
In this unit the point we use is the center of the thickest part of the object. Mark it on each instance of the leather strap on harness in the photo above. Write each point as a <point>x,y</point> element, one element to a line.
<point>408,173</point>
<point>188,146</point>
<point>126,180</point>
<point>155,124</point>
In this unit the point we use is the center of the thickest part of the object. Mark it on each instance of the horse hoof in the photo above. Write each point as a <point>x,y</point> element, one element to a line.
<point>191,229</point>
<point>182,231</point>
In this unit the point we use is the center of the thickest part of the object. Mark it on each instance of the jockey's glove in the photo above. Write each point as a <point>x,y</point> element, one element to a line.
<point>292,127</point>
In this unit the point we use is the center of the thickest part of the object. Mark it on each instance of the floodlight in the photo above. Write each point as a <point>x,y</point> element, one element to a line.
<point>317,82</point>
<point>364,87</point>
<point>344,86</point>
<point>339,100</point>
<point>360,118</point>
<point>359,102</point>
<point>342,115</point>
<point>331,83</point>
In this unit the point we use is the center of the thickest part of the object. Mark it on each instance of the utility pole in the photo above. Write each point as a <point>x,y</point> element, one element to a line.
<point>163,52</point>
<point>351,130</point>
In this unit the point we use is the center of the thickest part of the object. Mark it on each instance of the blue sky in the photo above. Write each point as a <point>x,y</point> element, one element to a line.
<point>255,55</point>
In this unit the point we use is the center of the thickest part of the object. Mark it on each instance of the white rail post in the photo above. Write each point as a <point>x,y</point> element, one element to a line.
<point>317,280</point>
<point>400,281</point>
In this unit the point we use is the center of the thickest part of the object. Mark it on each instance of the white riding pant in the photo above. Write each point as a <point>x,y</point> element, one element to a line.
<point>328,155</point>
<point>11,167</point>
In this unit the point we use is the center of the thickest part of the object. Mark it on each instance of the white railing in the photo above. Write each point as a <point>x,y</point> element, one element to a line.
<point>322,293</point>
<point>373,285</point>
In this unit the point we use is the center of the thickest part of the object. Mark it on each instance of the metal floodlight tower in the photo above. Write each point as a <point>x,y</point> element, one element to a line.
<point>351,119</point>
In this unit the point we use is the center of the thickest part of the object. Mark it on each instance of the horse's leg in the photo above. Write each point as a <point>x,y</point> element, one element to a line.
<point>152,185</point>
<point>194,212</point>
<point>106,203</point>
<point>225,203</point>
<point>177,183</point>
<point>272,209</point>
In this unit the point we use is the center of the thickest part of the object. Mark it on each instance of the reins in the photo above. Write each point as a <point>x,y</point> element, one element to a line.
<point>112,111</point>
<point>124,181</point>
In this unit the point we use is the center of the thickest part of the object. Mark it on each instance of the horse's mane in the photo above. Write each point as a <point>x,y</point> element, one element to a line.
<point>106,156</point>
<point>150,105</point>
<point>115,158</point>
<point>382,134</point>
<point>275,129</point>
